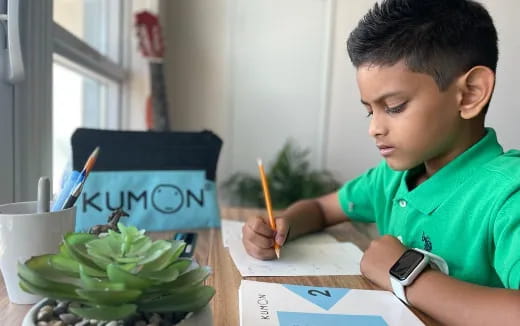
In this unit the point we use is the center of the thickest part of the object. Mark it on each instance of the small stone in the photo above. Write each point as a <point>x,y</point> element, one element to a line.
<point>57,323</point>
<point>61,308</point>
<point>44,314</point>
<point>83,322</point>
<point>112,323</point>
<point>47,308</point>
<point>41,323</point>
<point>155,319</point>
<point>69,318</point>
<point>94,322</point>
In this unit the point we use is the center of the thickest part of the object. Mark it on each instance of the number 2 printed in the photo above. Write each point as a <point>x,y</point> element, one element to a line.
<point>316,292</point>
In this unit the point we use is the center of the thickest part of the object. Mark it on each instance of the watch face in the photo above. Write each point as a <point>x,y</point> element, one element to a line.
<point>406,264</point>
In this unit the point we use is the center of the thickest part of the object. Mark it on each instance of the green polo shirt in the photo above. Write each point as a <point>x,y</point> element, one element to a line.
<point>468,212</point>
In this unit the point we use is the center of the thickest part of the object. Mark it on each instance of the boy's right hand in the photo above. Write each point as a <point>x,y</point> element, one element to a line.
<point>258,238</point>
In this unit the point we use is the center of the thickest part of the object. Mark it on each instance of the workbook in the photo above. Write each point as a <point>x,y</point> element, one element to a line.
<point>314,254</point>
<point>273,304</point>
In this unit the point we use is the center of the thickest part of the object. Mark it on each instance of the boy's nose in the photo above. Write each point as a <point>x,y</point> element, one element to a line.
<point>377,126</point>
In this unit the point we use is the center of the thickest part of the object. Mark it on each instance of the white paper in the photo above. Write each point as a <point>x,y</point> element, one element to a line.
<point>272,304</point>
<point>233,230</point>
<point>316,254</point>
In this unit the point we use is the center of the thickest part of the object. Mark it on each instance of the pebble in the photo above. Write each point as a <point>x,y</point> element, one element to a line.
<point>56,323</point>
<point>69,318</point>
<point>45,314</point>
<point>46,317</point>
<point>155,319</point>
<point>61,308</point>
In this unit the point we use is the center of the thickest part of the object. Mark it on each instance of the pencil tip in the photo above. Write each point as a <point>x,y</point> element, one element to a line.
<point>259,161</point>
<point>277,251</point>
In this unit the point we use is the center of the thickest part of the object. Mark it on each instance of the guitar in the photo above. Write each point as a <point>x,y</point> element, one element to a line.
<point>152,48</point>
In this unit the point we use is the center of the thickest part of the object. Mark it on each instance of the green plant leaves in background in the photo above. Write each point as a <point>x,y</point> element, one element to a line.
<point>290,179</point>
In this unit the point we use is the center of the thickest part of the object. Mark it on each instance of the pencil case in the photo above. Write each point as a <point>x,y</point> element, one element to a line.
<point>163,180</point>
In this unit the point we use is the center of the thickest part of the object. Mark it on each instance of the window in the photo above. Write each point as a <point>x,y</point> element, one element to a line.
<point>88,72</point>
<point>88,49</point>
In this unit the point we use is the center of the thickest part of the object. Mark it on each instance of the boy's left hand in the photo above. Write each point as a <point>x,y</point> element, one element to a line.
<point>382,253</point>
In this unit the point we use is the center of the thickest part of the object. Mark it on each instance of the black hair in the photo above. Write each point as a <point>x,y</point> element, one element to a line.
<point>442,38</point>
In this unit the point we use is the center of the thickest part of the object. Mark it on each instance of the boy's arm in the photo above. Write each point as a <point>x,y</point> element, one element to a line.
<point>444,298</point>
<point>302,217</point>
<point>311,215</point>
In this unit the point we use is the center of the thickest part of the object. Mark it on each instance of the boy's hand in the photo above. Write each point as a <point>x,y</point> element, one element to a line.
<point>258,238</point>
<point>379,257</point>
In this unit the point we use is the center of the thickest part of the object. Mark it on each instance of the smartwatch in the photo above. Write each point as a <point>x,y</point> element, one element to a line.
<point>409,266</point>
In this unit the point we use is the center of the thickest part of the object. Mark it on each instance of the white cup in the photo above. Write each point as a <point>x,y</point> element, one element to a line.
<point>25,233</point>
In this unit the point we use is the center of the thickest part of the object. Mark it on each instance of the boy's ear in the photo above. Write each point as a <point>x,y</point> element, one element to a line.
<point>476,87</point>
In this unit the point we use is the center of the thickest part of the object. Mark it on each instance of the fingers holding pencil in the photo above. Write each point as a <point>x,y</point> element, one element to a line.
<point>259,239</point>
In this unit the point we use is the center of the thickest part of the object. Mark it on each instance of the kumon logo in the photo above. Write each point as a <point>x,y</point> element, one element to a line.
<point>165,198</point>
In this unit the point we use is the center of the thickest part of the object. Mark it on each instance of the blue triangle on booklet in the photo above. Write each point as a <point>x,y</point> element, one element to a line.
<point>289,318</point>
<point>320,296</point>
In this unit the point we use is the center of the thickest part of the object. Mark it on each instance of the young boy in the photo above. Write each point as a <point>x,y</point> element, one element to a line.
<point>426,73</point>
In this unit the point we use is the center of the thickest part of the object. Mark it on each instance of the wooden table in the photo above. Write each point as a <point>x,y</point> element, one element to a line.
<point>226,278</point>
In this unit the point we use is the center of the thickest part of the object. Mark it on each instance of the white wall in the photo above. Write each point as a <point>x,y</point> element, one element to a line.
<point>504,111</point>
<point>278,61</point>
<point>197,68</point>
<point>198,58</point>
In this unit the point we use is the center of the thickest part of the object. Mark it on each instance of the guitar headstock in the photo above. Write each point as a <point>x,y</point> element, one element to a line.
<point>149,35</point>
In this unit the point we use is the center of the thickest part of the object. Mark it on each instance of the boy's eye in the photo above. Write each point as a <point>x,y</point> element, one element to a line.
<point>396,109</point>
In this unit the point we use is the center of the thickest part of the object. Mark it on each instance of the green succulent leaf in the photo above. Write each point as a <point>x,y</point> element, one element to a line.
<point>189,300</point>
<point>50,293</point>
<point>189,279</point>
<point>33,277</point>
<point>140,247</point>
<point>168,257</point>
<point>109,297</point>
<point>157,249</point>
<point>75,244</point>
<point>42,265</point>
<point>165,275</point>
<point>69,265</point>
<point>92,283</point>
<point>105,312</point>
<point>131,281</point>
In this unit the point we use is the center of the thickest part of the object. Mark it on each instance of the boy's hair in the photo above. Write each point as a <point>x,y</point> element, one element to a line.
<point>442,38</point>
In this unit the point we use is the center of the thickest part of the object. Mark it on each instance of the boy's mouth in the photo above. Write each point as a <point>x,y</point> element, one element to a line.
<point>385,150</point>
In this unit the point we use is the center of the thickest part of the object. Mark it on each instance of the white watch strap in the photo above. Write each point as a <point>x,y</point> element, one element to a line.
<point>398,289</point>
<point>438,261</point>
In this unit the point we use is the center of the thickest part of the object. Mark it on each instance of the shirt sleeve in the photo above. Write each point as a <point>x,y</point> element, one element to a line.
<point>356,196</point>
<point>506,234</point>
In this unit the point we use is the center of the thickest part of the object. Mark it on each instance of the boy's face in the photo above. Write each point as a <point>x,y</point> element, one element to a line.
<point>411,120</point>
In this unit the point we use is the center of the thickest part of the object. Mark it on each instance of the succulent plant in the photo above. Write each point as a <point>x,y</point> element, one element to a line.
<point>115,276</point>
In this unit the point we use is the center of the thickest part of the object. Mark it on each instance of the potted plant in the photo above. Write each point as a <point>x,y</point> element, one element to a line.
<point>115,278</point>
<point>290,179</point>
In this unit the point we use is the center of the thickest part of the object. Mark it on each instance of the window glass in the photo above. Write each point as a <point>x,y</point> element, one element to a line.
<point>79,100</point>
<point>96,22</point>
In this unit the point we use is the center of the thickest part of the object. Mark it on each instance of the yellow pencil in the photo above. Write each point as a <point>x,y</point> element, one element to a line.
<point>267,199</point>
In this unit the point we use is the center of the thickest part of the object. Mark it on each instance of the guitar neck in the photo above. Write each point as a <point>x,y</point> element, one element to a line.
<point>159,98</point>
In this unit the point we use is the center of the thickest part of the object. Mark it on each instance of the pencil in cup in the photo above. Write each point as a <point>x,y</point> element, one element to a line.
<point>267,198</point>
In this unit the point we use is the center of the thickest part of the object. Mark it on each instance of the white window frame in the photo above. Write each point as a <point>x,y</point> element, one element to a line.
<point>42,40</point>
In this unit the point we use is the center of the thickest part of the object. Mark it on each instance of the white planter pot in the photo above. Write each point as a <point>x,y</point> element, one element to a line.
<point>200,318</point>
